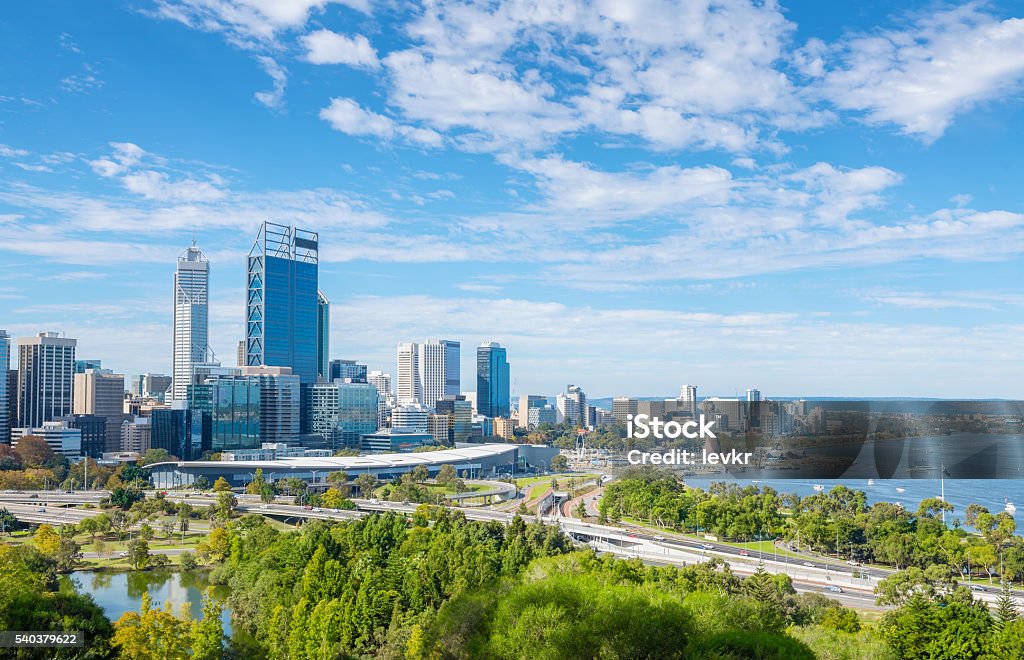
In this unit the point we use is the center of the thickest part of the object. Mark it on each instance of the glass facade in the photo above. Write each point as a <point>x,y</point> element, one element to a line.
<point>94,433</point>
<point>282,303</point>
<point>460,412</point>
<point>173,431</point>
<point>347,369</point>
<point>226,413</point>
<point>492,381</point>
<point>5,393</point>
<point>341,413</point>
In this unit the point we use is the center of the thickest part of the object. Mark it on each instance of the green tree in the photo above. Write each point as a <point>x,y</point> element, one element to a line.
<point>1006,607</point>
<point>155,456</point>
<point>366,482</point>
<point>138,554</point>
<point>420,473</point>
<point>226,503</point>
<point>446,475</point>
<point>153,634</point>
<point>255,487</point>
<point>68,554</point>
<point>841,618</point>
<point>208,633</point>
<point>559,463</point>
<point>146,532</point>
<point>46,540</point>
<point>221,485</point>
<point>100,548</point>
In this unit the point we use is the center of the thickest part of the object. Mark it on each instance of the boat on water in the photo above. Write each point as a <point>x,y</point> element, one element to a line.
<point>819,487</point>
<point>901,490</point>
<point>1010,507</point>
<point>871,482</point>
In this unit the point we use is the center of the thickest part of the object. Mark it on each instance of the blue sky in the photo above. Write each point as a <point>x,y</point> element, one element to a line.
<point>808,198</point>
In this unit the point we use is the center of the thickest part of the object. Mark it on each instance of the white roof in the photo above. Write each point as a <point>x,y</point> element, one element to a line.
<point>367,462</point>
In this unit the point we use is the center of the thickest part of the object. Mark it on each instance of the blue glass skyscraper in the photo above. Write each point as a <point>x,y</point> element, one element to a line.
<point>281,308</point>
<point>492,381</point>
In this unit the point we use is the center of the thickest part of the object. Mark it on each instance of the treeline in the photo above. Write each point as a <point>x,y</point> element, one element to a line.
<point>837,522</point>
<point>33,465</point>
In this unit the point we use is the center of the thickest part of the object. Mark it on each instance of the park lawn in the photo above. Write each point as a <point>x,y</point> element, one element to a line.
<point>529,481</point>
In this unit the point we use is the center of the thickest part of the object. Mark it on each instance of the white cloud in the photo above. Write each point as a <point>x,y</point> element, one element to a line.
<point>326,47</point>
<point>10,152</point>
<point>126,163</point>
<point>921,77</point>
<point>347,116</point>
<point>274,97</point>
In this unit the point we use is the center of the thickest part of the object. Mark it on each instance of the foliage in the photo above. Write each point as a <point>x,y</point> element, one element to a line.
<point>221,485</point>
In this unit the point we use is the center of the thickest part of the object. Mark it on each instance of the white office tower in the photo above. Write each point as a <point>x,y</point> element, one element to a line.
<point>688,395</point>
<point>5,365</point>
<point>385,399</point>
<point>46,370</point>
<point>439,366</point>
<point>408,387</point>
<point>753,395</point>
<point>572,406</point>
<point>411,416</point>
<point>191,317</point>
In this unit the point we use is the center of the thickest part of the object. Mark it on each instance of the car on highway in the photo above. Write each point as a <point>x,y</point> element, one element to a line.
<point>41,509</point>
<point>659,537</point>
<point>264,506</point>
<point>632,536</point>
<point>807,563</point>
<point>975,587</point>
<point>122,554</point>
<point>308,508</point>
<point>631,556</point>
<point>744,553</point>
<point>707,546</point>
<point>374,501</point>
<point>853,562</point>
<point>317,509</point>
<point>834,588</point>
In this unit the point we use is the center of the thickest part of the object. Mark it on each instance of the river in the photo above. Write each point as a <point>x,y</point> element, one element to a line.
<point>117,593</point>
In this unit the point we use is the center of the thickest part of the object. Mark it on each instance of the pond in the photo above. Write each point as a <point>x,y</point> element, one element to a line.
<point>117,593</point>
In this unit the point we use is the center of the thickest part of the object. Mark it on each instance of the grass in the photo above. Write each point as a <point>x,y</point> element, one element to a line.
<point>562,478</point>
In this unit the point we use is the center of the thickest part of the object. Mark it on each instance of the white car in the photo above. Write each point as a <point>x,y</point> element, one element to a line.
<point>264,506</point>
<point>975,587</point>
<point>836,589</point>
<point>632,556</point>
<point>658,537</point>
<point>374,501</point>
<point>122,554</point>
<point>317,509</point>
<point>707,546</point>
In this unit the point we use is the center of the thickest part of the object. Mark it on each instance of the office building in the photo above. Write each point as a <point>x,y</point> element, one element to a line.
<point>493,397</point>
<point>157,386</point>
<point>651,408</point>
<point>240,412</point>
<point>172,430</point>
<point>504,428</point>
<point>342,412</point>
<point>407,389</point>
<point>460,413</point>
<point>440,428</point>
<point>323,334</point>
<point>82,365</point>
<point>5,394</point>
<point>526,402</point>
<point>12,399</point>
<point>240,354</point>
<point>136,435</point>
<point>385,399</point>
<point>623,407</point>
<point>61,438</point>
<point>603,417</point>
<point>688,395</point>
<point>439,367</point>
<point>46,369</point>
<point>349,370</point>
<point>572,406</point>
<point>395,440</point>
<point>191,317</point>
<point>101,392</point>
<point>410,416</point>
<point>94,433</point>
<point>282,301</point>
<point>545,414</point>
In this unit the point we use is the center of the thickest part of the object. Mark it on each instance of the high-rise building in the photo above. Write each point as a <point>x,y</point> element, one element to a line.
<point>342,412</point>
<point>527,401</point>
<point>572,406</point>
<point>492,381</point>
<point>504,428</point>
<point>688,395</point>
<point>155,386</point>
<point>136,435</point>
<point>172,430</point>
<point>191,317</point>
<point>439,366</point>
<point>385,399</point>
<point>407,389</point>
<point>440,427</point>
<point>240,354</point>
<point>12,399</point>
<point>94,433</point>
<point>5,365</point>
<point>410,416</point>
<point>46,369</point>
<point>753,395</point>
<point>622,407</point>
<point>101,392</point>
<point>323,334</point>
<point>82,365</point>
<point>460,414</point>
<point>282,301</point>
<point>240,412</point>
<point>349,370</point>
<point>545,414</point>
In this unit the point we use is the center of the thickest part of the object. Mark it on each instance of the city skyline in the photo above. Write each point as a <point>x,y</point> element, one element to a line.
<point>831,208</point>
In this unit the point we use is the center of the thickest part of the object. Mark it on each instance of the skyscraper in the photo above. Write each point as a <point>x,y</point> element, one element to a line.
<point>492,381</point>
<point>240,412</point>
<point>82,365</point>
<point>46,367</point>
<point>382,382</point>
<point>101,392</point>
<point>409,383</point>
<point>439,366</point>
<point>5,364</point>
<point>349,370</point>
<point>688,395</point>
<point>341,412</point>
<point>572,406</point>
<point>191,317</point>
<point>282,302</point>
<point>323,334</point>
